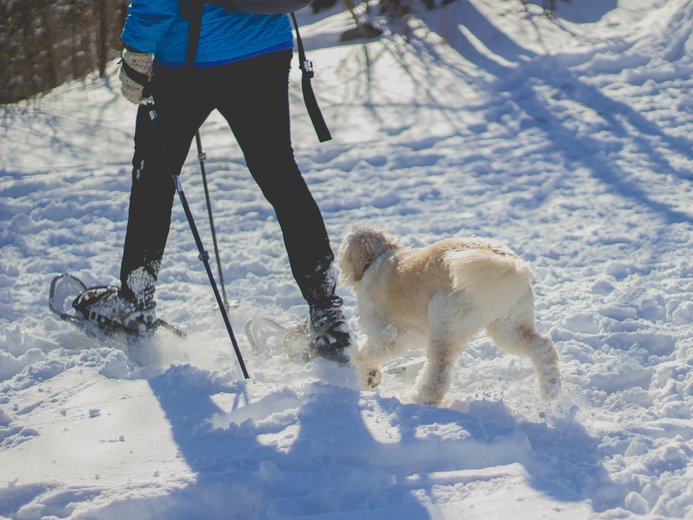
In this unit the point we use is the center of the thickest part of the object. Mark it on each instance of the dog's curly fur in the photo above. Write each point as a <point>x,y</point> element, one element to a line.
<point>440,296</point>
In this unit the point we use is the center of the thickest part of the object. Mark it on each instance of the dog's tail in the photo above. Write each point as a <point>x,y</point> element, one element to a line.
<point>494,282</point>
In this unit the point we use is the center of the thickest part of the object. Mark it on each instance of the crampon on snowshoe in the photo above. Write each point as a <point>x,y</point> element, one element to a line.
<point>132,326</point>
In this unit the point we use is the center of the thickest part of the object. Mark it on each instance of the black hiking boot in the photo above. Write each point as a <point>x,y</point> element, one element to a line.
<point>329,330</point>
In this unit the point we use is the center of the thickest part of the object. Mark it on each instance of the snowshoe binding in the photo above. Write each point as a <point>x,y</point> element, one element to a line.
<point>102,313</point>
<point>105,308</point>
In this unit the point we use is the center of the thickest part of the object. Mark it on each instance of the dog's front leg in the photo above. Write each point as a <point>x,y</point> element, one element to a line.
<point>436,375</point>
<point>372,355</point>
<point>367,367</point>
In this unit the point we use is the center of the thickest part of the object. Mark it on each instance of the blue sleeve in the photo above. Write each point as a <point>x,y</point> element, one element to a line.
<point>147,23</point>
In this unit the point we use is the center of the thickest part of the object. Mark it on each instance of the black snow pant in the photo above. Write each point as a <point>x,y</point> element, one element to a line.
<point>252,95</point>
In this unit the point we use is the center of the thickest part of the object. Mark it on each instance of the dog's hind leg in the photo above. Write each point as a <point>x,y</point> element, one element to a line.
<point>516,334</point>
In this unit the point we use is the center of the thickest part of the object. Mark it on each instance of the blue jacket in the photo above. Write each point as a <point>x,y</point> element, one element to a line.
<point>157,26</point>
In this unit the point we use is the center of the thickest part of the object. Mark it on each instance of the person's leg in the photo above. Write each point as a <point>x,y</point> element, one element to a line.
<point>253,97</point>
<point>180,113</point>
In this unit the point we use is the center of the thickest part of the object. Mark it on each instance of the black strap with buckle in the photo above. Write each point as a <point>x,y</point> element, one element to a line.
<point>307,73</point>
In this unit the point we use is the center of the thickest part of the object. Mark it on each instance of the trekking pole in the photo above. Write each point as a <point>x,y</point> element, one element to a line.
<point>148,103</point>
<point>202,156</point>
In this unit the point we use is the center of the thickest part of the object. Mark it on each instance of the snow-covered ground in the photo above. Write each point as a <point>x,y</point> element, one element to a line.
<point>569,140</point>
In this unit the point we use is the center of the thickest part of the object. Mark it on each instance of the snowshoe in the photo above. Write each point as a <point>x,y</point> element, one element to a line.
<point>268,338</point>
<point>100,313</point>
<point>104,307</point>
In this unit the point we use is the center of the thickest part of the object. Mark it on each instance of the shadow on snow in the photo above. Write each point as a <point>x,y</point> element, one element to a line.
<point>294,455</point>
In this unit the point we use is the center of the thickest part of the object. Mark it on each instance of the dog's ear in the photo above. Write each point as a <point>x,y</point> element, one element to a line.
<point>359,250</point>
<point>353,258</point>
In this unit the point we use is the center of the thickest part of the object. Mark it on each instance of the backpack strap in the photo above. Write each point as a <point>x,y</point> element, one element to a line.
<point>183,7</point>
<point>311,102</point>
<point>192,11</point>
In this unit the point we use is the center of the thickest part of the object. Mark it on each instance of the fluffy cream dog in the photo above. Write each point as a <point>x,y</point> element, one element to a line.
<point>439,297</point>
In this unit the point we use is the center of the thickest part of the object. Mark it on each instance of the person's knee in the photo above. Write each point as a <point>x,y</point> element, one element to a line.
<point>281,184</point>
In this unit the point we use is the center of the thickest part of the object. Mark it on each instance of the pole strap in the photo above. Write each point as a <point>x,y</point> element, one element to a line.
<point>135,75</point>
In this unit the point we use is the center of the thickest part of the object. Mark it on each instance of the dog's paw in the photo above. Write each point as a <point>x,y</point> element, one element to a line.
<point>549,373</point>
<point>549,382</point>
<point>373,378</point>
<point>550,388</point>
<point>426,397</point>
